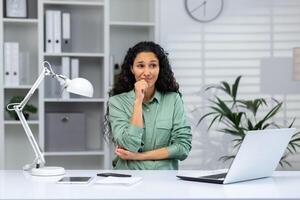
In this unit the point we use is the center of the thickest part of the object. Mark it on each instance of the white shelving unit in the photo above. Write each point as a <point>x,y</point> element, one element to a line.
<point>100,30</point>
<point>131,21</point>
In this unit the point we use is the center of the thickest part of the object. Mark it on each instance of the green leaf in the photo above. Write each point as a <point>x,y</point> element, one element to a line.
<point>233,132</point>
<point>225,110</point>
<point>212,87</point>
<point>291,124</point>
<point>238,140</point>
<point>269,115</point>
<point>204,116</point>
<point>220,111</point>
<point>226,158</point>
<point>226,88</point>
<point>253,106</point>
<point>235,87</point>
<point>250,126</point>
<point>212,122</point>
<point>283,161</point>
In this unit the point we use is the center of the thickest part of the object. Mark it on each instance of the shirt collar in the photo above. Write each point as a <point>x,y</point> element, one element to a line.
<point>157,95</point>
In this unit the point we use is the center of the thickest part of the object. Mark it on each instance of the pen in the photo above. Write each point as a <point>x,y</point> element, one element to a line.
<point>113,174</point>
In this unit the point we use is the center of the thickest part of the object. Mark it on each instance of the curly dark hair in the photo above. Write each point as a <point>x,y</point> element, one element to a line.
<point>166,81</point>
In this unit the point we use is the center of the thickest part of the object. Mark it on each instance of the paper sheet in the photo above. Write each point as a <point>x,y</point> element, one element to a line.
<point>118,180</point>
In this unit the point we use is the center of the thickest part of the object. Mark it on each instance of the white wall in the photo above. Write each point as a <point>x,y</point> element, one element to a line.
<point>201,54</point>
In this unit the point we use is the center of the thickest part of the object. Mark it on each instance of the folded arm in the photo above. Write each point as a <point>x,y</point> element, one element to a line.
<point>127,132</point>
<point>157,154</point>
<point>180,143</point>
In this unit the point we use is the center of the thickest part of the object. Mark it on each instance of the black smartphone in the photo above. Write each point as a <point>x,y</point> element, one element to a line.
<point>106,174</point>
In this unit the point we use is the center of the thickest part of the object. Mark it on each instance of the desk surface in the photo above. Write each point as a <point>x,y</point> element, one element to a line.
<point>155,185</point>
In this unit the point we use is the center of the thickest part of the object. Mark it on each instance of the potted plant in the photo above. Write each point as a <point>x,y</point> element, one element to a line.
<point>29,108</point>
<point>240,116</point>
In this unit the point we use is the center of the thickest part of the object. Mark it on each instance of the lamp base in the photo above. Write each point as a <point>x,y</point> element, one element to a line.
<point>47,171</point>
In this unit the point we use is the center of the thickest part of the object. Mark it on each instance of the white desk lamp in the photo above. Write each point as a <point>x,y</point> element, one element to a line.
<point>78,86</point>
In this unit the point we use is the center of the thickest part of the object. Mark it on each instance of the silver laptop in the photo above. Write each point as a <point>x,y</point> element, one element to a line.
<point>257,157</point>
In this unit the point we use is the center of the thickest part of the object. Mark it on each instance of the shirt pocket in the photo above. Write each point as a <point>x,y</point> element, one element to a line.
<point>163,133</point>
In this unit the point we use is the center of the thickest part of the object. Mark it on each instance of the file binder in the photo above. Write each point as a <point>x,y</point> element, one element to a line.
<point>55,88</point>
<point>7,64</point>
<point>65,70</point>
<point>74,73</point>
<point>66,32</point>
<point>24,72</point>
<point>111,70</point>
<point>57,31</point>
<point>49,37</point>
<point>11,63</point>
<point>74,68</point>
<point>15,64</point>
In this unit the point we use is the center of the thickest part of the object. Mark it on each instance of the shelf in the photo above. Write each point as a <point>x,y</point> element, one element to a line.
<point>74,2</point>
<point>21,20</point>
<point>93,23</point>
<point>122,23</point>
<point>14,122</point>
<point>94,100</point>
<point>18,87</point>
<point>74,54</point>
<point>74,153</point>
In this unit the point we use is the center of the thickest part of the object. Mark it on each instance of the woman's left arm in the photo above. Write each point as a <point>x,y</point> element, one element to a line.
<point>181,136</point>
<point>157,154</point>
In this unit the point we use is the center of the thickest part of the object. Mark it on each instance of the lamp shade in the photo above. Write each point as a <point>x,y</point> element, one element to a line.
<point>80,86</point>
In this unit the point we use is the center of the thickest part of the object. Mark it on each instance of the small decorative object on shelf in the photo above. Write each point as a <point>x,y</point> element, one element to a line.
<point>16,8</point>
<point>29,108</point>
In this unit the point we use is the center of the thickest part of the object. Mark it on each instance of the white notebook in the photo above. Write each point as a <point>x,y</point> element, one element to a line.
<point>118,180</point>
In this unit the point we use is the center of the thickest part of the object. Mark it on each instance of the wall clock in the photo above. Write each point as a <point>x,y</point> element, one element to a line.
<point>204,10</point>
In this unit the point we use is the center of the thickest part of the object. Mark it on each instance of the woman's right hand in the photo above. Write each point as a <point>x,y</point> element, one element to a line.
<point>140,89</point>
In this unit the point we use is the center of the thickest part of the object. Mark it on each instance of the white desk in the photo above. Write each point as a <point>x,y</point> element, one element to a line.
<point>155,185</point>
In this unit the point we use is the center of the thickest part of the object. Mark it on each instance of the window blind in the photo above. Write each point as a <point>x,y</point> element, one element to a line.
<point>233,45</point>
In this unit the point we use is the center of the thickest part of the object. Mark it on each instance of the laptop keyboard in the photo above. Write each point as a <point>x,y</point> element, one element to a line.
<point>215,176</point>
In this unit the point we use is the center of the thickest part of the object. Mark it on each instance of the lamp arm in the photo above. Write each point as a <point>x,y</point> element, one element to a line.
<point>36,84</point>
<point>39,160</point>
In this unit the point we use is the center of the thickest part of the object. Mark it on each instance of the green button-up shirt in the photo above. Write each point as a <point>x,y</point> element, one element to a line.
<point>164,125</point>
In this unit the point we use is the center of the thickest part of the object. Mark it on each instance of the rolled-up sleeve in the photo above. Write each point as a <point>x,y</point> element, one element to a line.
<point>126,135</point>
<point>181,136</point>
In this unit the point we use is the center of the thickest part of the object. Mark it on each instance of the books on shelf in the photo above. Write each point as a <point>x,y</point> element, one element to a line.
<point>57,31</point>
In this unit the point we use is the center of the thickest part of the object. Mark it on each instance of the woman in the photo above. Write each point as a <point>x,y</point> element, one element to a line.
<point>146,114</point>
